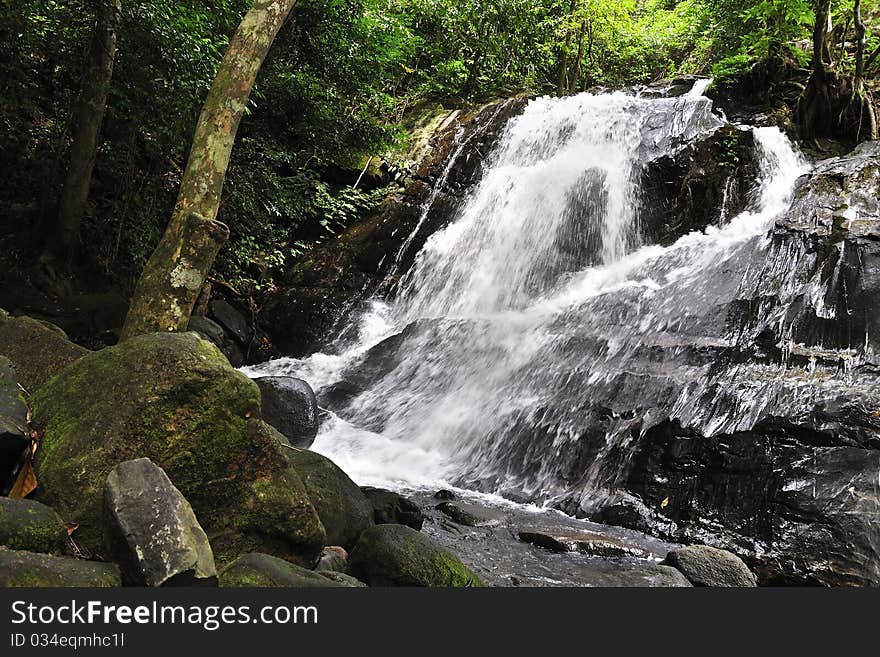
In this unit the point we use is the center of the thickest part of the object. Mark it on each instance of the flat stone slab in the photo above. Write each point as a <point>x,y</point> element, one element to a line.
<point>585,542</point>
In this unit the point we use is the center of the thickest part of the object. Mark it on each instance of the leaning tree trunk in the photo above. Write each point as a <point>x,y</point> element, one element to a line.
<point>63,238</point>
<point>170,283</point>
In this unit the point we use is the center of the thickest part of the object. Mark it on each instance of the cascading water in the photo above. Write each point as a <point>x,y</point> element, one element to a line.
<point>536,332</point>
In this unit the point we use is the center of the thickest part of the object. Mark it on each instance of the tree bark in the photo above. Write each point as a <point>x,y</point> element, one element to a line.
<point>174,275</point>
<point>63,238</point>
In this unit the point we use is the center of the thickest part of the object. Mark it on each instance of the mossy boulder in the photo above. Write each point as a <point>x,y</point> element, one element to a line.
<point>258,570</point>
<point>29,569</point>
<point>29,525</point>
<point>173,398</point>
<point>37,351</point>
<point>396,555</point>
<point>343,508</point>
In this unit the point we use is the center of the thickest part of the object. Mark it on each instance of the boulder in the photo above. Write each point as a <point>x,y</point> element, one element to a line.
<point>470,515</point>
<point>344,510</point>
<point>213,332</point>
<point>231,320</point>
<point>289,405</point>
<point>29,525</point>
<point>173,398</point>
<point>13,423</point>
<point>397,555</point>
<point>265,571</point>
<point>392,508</point>
<point>151,530</point>
<point>31,570</point>
<point>703,565</point>
<point>444,495</point>
<point>37,352</point>
<point>333,558</point>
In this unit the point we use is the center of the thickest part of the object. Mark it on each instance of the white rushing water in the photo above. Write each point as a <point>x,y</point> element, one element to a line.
<point>537,301</point>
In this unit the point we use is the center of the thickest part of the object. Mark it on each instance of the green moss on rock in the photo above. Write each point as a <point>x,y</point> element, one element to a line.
<point>172,398</point>
<point>37,352</point>
<point>396,555</point>
<point>28,569</point>
<point>29,525</point>
<point>257,570</point>
<point>342,506</point>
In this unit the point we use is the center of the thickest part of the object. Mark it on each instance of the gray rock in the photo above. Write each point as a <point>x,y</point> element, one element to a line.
<point>703,565</point>
<point>333,559</point>
<point>342,578</point>
<point>581,541</point>
<point>392,508</point>
<point>213,332</point>
<point>231,320</point>
<point>13,423</point>
<point>30,570</point>
<point>29,525</point>
<point>289,405</point>
<point>151,530</point>
<point>470,515</point>
<point>258,570</point>
<point>343,509</point>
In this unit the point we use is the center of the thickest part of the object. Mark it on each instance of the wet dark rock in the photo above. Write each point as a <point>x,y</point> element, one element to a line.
<point>469,515</point>
<point>392,508</point>
<point>213,332</point>
<point>13,424</point>
<point>333,558</point>
<point>36,351</point>
<point>257,570</point>
<point>343,509</point>
<point>232,320</point>
<point>396,555</point>
<point>707,566</point>
<point>706,182</point>
<point>30,570</point>
<point>585,542</point>
<point>31,526</point>
<point>151,530</point>
<point>444,495</point>
<point>290,405</point>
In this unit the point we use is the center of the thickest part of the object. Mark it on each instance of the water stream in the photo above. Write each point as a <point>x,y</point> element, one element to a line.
<point>542,328</point>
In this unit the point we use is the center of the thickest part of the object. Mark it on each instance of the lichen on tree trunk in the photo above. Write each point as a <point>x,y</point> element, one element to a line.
<point>168,287</point>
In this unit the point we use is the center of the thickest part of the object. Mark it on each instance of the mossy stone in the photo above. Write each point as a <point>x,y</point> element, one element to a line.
<point>258,570</point>
<point>30,570</point>
<point>172,398</point>
<point>342,506</point>
<point>37,352</point>
<point>29,525</point>
<point>396,555</point>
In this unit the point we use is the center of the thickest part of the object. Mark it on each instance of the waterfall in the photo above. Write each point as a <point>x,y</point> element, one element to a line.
<point>537,333</point>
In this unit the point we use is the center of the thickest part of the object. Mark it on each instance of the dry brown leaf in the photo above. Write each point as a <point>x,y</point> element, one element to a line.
<point>71,527</point>
<point>664,503</point>
<point>26,481</point>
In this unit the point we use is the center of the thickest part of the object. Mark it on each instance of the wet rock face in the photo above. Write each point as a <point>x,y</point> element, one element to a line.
<point>706,182</point>
<point>794,492</point>
<point>328,282</point>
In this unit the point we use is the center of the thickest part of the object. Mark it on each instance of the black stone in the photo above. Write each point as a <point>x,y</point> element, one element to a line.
<point>392,508</point>
<point>290,405</point>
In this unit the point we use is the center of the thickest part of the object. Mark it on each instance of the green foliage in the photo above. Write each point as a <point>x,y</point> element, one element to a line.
<point>340,79</point>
